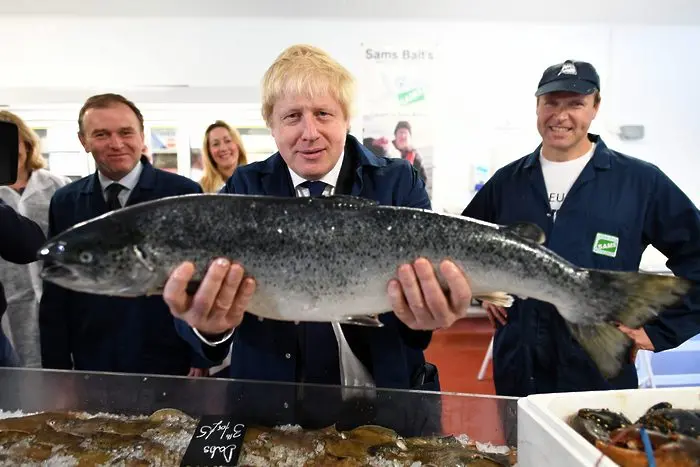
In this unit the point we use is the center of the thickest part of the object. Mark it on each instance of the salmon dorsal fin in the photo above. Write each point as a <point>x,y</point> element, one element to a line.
<point>526,230</point>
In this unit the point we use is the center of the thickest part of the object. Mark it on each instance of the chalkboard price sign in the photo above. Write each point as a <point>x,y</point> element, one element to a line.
<point>216,441</point>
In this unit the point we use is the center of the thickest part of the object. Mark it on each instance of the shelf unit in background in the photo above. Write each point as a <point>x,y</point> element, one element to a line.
<point>173,135</point>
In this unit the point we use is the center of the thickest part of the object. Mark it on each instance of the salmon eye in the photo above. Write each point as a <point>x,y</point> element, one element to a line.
<point>85,257</point>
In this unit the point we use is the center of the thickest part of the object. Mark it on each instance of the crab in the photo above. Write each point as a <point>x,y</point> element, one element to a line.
<point>670,450</point>
<point>664,418</point>
<point>597,424</point>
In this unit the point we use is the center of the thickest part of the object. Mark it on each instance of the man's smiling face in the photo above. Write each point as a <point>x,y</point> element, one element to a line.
<point>563,119</point>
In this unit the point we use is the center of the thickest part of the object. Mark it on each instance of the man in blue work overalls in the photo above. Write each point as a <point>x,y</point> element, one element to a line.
<point>599,209</point>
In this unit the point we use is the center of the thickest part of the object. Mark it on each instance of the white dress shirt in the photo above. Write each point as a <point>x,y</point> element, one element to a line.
<point>330,179</point>
<point>129,182</point>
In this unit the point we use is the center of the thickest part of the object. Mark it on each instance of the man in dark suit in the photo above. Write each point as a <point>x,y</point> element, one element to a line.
<point>318,156</point>
<point>100,333</point>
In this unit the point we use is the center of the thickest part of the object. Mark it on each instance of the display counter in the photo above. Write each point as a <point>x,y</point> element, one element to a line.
<point>487,423</point>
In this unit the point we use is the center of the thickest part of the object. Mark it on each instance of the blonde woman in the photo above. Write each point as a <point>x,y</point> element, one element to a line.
<point>29,196</point>
<point>222,152</point>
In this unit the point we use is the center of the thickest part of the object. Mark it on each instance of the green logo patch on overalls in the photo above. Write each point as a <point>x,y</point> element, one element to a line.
<point>605,244</point>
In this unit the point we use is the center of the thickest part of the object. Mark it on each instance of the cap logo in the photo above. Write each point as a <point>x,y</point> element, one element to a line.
<point>568,69</point>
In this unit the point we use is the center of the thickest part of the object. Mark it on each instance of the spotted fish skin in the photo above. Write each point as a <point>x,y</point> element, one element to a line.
<point>313,258</point>
<point>329,259</point>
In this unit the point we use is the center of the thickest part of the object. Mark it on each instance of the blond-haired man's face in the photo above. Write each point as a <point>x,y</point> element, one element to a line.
<point>310,133</point>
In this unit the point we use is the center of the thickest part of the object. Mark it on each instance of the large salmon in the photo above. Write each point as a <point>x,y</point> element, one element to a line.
<point>329,259</point>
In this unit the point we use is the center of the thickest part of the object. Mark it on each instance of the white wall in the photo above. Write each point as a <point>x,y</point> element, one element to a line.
<point>487,74</point>
<point>617,11</point>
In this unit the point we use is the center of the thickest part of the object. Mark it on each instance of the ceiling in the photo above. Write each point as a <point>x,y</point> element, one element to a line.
<point>606,11</point>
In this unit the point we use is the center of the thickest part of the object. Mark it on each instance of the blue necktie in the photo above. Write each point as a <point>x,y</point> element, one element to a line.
<point>315,188</point>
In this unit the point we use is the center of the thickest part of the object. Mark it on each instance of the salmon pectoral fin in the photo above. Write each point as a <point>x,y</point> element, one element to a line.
<point>497,298</point>
<point>371,321</point>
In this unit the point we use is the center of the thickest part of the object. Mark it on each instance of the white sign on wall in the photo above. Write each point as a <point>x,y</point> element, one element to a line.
<point>398,96</point>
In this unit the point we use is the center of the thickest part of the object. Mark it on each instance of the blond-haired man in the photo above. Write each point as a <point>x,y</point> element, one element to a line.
<point>307,104</point>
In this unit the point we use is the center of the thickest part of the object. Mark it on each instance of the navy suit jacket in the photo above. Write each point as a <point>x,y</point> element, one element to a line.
<point>273,350</point>
<point>101,333</point>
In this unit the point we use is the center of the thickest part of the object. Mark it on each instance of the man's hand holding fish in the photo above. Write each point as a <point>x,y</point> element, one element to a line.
<point>218,305</point>
<point>419,301</point>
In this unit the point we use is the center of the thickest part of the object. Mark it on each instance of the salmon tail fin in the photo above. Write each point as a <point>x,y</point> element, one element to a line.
<point>497,298</point>
<point>608,347</point>
<point>629,298</point>
<point>635,298</point>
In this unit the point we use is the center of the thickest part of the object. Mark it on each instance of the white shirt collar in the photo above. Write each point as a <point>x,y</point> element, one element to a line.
<point>579,160</point>
<point>331,178</point>
<point>129,181</point>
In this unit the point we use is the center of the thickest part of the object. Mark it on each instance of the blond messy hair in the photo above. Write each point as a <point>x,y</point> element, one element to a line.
<point>307,71</point>
<point>213,179</point>
<point>31,141</point>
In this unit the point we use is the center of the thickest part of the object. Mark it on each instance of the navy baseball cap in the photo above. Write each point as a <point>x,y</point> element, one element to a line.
<point>571,76</point>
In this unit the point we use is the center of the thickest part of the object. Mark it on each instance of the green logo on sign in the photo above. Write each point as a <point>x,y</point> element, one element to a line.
<point>411,96</point>
<point>605,244</point>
